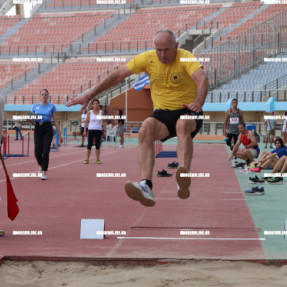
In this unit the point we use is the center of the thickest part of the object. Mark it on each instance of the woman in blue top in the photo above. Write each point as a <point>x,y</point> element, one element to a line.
<point>280,166</point>
<point>43,133</point>
<point>269,160</point>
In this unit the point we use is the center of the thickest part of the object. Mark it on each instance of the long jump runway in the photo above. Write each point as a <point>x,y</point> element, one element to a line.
<point>214,223</point>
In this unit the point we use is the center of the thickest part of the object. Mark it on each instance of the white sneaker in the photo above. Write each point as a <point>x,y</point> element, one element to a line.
<point>183,183</point>
<point>140,192</point>
<point>245,171</point>
<point>233,162</point>
<point>121,146</point>
<point>43,176</point>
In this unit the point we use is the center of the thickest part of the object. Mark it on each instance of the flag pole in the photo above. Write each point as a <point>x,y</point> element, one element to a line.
<point>3,163</point>
<point>126,100</point>
<point>12,206</point>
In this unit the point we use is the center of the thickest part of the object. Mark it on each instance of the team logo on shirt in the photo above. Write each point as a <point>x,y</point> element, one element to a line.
<point>175,78</point>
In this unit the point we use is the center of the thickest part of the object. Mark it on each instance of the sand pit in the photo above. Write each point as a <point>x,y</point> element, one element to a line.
<point>191,273</point>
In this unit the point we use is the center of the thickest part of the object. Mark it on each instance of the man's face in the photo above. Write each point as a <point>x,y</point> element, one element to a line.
<point>165,48</point>
<point>242,129</point>
<point>234,104</point>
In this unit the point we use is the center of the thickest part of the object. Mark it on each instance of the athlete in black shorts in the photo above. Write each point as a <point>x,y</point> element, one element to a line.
<point>178,87</point>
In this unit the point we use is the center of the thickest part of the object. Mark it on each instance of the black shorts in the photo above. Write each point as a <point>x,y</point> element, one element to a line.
<point>229,138</point>
<point>94,134</point>
<point>82,130</point>
<point>169,118</point>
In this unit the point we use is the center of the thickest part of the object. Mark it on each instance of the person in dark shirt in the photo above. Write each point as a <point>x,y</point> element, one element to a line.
<point>233,117</point>
<point>122,128</point>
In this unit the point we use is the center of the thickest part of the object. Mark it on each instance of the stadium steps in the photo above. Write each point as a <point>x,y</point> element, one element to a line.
<point>102,29</point>
<point>106,96</point>
<point>42,9</point>
<point>215,14</point>
<point>30,77</point>
<point>67,6</point>
<point>10,32</point>
<point>255,80</point>
<point>37,9</point>
<point>151,3</point>
<point>5,6</point>
<point>200,46</point>
<point>186,42</point>
<point>225,31</point>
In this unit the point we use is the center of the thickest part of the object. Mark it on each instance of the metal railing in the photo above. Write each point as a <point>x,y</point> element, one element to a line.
<point>19,75</point>
<point>216,128</point>
<point>84,48</point>
<point>214,96</point>
<point>227,60</point>
<point>132,125</point>
<point>94,81</point>
<point>78,4</point>
<point>274,85</point>
<point>246,50</point>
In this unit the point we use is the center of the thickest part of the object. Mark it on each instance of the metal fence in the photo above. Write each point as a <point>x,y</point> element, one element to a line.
<point>105,97</point>
<point>246,96</point>
<point>226,60</point>
<point>242,52</point>
<point>216,128</point>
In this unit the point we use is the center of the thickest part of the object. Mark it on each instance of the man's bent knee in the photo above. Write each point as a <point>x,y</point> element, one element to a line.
<point>153,129</point>
<point>185,126</point>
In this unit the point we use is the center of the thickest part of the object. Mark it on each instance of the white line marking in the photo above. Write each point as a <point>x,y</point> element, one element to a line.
<point>34,160</point>
<point>231,199</point>
<point>61,154</point>
<point>173,198</point>
<point>119,243</point>
<point>190,238</point>
<point>56,166</point>
<point>231,192</point>
<point>169,191</point>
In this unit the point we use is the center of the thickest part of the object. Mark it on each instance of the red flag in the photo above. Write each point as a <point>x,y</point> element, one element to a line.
<point>12,206</point>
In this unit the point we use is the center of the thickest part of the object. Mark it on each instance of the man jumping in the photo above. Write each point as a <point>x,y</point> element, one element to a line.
<point>178,87</point>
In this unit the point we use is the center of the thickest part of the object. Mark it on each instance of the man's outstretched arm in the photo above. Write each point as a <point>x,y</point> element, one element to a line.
<point>112,80</point>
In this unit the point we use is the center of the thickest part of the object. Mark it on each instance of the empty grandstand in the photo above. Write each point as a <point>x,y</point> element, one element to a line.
<point>70,46</point>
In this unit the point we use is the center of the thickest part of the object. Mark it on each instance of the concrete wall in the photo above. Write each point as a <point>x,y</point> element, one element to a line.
<point>139,104</point>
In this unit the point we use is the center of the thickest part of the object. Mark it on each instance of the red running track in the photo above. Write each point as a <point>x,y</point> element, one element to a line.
<point>73,192</point>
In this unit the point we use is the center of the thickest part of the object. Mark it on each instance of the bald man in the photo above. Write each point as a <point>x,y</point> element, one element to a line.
<point>178,88</point>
